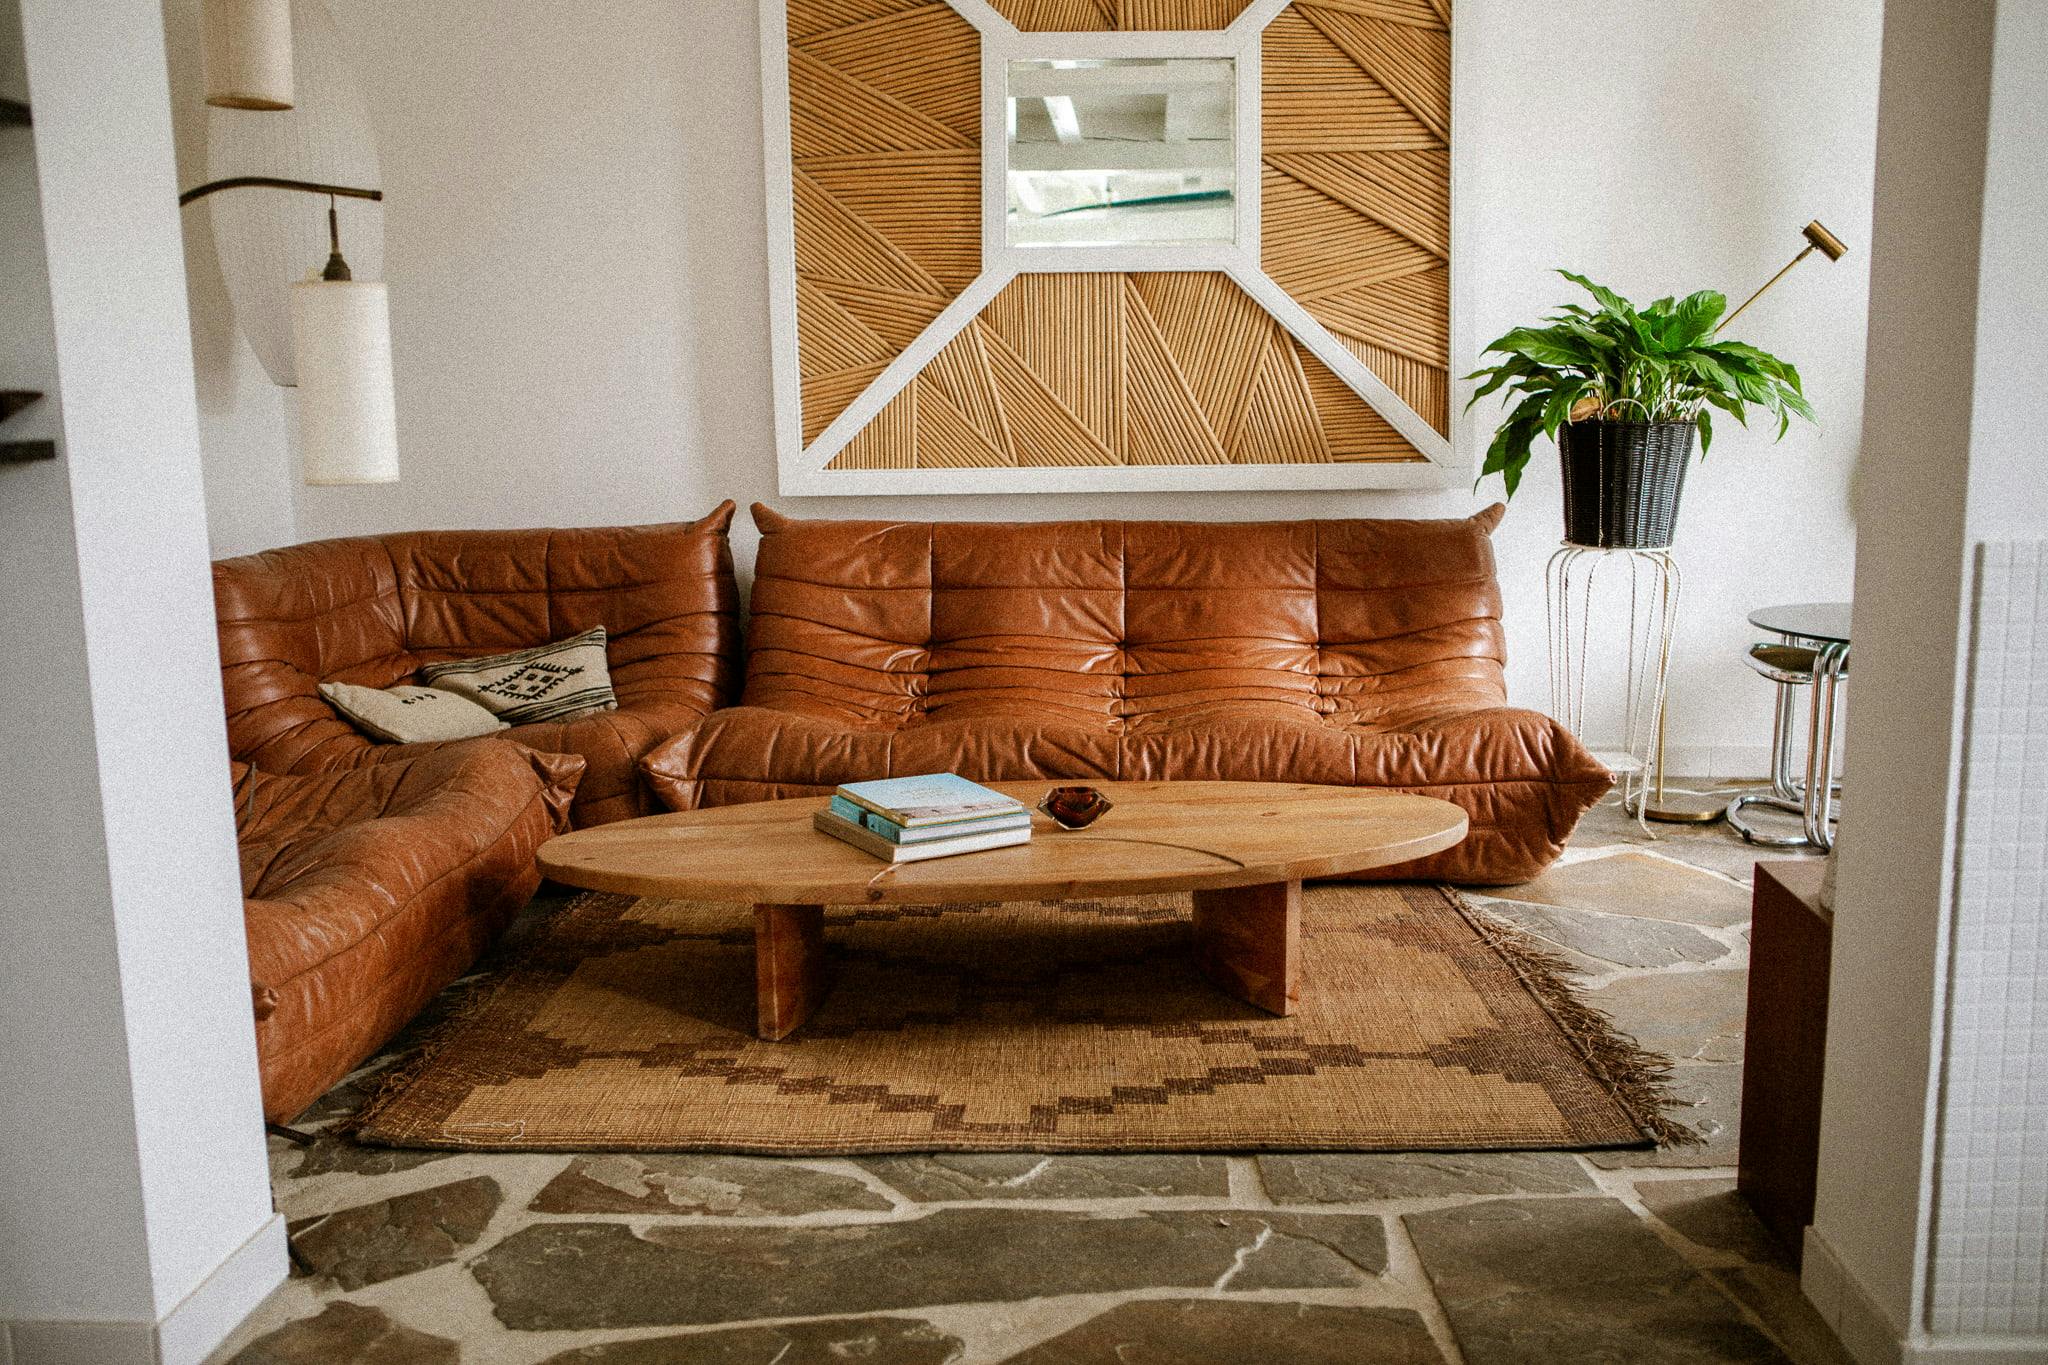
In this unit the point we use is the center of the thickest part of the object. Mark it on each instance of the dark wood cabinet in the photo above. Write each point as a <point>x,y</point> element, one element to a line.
<point>1790,941</point>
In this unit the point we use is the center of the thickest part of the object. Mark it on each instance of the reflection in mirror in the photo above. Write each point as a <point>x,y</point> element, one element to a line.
<point>1120,152</point>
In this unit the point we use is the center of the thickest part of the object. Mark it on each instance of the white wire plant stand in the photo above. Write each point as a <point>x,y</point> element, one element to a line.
<point>1653,583</point>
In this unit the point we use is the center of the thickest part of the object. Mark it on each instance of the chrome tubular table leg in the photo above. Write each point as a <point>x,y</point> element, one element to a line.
<point>1820,789</point>
<point>1810,795</point>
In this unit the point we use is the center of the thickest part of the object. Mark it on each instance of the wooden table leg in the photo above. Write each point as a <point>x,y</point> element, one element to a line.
<point>1248,941</point>
<point>789,967</point>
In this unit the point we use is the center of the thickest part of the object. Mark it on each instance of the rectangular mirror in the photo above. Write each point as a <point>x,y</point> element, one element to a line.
<point>1121,151</point>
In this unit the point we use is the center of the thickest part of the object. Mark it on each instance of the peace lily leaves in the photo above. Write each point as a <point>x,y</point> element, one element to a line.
<point>1619,363</point>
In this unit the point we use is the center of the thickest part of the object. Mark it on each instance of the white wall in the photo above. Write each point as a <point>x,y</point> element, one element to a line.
<point>1927,1238</point>
<point>135,1217</point>
<point>576,250</point>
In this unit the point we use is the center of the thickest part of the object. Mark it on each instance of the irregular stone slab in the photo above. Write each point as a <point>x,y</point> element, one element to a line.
<point>374,1242</point>
<point>1710,1103</point>
<point>1686,1016</point>
<point>347,1332</point>
<point>1221,1332</point>
<point>1638,884</point>
<point>736,1186</point>
<point>328,1155</point>
<point>973,1175</point>
<point>1773,1295</point>
<point>1711,1213</point>
<point>1360,1177</point>
<point>1616,940</point>
<point>1540,1281</point>
<point>601,1275</point>
<point>871,1341</point>
<point>1298,1247</point>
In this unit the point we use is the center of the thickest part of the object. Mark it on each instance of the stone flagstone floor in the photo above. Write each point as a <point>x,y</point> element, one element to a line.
<point>421,1258</point>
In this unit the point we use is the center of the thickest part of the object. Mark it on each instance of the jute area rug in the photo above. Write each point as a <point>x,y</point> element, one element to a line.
<point>626,1024</point>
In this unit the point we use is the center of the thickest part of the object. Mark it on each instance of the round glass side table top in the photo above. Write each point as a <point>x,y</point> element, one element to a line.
<point>1827,622</point>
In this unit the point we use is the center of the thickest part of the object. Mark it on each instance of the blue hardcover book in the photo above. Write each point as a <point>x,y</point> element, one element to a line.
<point>947,829</point>
<point>933,799</point>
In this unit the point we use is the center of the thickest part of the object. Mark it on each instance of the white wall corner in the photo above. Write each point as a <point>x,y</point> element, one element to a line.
<point>209,1314</point>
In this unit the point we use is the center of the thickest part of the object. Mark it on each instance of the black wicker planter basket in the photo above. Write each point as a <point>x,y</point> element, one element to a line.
<point>1622,481</point>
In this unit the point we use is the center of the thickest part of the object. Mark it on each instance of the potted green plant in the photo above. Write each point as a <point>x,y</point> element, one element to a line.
<point>1622,390</point>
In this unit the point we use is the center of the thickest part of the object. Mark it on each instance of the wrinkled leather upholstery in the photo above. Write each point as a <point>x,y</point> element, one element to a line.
<point>370,888</point>
<point>371,610</point>
<point>1366,653</point>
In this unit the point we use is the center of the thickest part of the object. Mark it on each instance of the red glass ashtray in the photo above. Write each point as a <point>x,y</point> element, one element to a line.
<point>1075,807</point>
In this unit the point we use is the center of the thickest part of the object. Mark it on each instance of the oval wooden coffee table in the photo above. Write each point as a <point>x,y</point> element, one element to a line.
<point>1243,848</point>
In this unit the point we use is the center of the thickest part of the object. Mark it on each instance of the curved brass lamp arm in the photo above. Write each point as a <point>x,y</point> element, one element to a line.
<point>271,182</point>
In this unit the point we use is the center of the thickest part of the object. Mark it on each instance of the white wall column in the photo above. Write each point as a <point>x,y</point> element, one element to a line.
<point>135,1218</point>
<point>1928,1240</point>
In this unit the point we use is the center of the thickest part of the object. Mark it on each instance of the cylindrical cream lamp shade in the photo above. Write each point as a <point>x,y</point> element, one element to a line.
<point>341,346</point>
<point>249,54</point>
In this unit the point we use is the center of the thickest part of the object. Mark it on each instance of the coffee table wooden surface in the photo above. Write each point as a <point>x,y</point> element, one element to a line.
<point>1243,848</point>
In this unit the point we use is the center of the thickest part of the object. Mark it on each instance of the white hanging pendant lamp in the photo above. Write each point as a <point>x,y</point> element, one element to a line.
<point>248,54</point>
<point>341,347</point>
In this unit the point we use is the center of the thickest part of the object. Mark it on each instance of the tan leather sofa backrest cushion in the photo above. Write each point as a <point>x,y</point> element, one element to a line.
<point>1376,622</point>
<point>371,610</point>
<point>292,619</point>
<point>664,594</point>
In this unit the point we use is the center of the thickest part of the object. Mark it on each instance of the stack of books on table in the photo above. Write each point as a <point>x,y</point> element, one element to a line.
<point>908,819</point>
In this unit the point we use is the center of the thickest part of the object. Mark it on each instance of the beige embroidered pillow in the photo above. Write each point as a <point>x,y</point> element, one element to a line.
<point>411,715</point>
<point>551,682</point>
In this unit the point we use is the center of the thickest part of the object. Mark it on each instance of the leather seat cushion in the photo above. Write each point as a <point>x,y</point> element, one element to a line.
<point>370,888</point>
<point>1521,778</point>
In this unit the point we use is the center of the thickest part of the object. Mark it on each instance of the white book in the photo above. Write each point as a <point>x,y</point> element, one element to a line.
<point>867,841</point>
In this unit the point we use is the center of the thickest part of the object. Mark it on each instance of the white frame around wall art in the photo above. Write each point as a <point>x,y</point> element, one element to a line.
<point>1446,462</point>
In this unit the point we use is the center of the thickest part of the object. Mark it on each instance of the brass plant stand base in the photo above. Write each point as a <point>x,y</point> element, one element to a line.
<point>1683,808</point>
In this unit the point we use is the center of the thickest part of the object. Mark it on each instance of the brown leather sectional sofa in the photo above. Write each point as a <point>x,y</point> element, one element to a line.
<point>1364,653</point>
<point>1357,653</point>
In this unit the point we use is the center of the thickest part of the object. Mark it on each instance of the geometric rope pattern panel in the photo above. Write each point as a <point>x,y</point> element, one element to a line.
<point>1095,16</point>
<point>1320,342</point>
<point>885,148</point>
<point>1158,368</point>
<point>1355,218</point>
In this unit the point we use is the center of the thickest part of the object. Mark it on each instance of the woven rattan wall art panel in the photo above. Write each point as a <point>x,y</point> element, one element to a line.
<point>1153,369</point>
<point>885,150</point>
<point>917,351</point>
<point>1357,203</point>
<point>1098,16</point>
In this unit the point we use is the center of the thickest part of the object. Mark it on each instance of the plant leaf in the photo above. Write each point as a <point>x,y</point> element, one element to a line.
<point>1553,347</point>
<point>1693,320</point>
<point>1706,432</point>
<point>1609,300</point>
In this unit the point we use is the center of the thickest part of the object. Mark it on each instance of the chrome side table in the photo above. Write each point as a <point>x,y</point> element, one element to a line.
<point>1814,653</point>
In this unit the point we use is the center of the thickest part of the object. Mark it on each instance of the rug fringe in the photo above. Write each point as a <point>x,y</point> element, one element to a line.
<point>1639,1079</point>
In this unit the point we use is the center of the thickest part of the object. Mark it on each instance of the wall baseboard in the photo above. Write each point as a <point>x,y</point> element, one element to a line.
<point>1978,1351</point>
<point>186,1335</point>
<point>1866,1332</point>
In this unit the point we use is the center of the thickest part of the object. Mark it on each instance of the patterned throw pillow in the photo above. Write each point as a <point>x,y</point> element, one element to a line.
<point>549,682</point>
<point>410,715</point>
